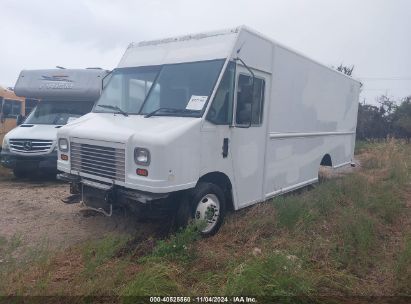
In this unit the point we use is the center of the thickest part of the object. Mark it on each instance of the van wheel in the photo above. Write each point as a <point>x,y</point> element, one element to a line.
<point>208,208</point>
<point>19,173</point>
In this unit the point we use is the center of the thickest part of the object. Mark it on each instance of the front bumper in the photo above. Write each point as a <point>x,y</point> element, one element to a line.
<point>120,193</point>
<point>46,162</point>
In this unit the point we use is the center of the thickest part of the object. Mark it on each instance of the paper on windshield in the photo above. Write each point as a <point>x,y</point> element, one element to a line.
<point>196,102</point>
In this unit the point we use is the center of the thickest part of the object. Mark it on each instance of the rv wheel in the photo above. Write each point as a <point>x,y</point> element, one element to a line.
<point>208,207</point>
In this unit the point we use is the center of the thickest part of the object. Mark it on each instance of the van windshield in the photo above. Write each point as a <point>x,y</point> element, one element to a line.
<point>50,112</point>
<point>181,89</point>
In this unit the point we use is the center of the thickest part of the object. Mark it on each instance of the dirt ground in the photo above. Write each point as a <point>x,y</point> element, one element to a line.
<point>32,210</point>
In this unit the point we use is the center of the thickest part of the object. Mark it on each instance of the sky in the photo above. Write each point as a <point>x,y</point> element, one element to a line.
<point>372,35</point>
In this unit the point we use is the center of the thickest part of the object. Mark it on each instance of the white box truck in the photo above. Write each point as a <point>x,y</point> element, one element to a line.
<point>65,94</point>
<point>209,121</point>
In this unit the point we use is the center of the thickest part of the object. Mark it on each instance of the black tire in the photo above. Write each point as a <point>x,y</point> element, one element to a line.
<point>214,198</point>
<point>20,173</point>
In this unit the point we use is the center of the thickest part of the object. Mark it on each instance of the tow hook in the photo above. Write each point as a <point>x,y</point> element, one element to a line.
<point>99,210</point>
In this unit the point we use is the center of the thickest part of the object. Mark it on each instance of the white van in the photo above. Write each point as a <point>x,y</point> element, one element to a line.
<point>226,119</point>
<point>66,94</point>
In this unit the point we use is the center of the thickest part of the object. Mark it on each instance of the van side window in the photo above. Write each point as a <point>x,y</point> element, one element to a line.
<point>221,110</point>
<point>11,108</point>
<point>246,98</point>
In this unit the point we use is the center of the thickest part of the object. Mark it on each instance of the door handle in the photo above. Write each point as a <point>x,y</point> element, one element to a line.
<point>225,147</point>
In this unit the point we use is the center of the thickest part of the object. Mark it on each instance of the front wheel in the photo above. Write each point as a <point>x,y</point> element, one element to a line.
<point>208,208</point>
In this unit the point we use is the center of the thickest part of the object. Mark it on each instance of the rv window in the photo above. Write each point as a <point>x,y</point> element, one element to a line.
<point>221,110</point>
<point>11,108</point>
<point>245,97</point>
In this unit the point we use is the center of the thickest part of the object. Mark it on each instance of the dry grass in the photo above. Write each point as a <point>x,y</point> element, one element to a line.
<point>5,174</point>
<point>347,236</point>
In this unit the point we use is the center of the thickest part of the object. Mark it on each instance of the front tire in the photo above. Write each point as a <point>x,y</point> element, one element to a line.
<point>208,208</point>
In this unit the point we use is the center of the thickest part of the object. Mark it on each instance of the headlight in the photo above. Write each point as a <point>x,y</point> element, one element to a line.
<point>63,145</point>
<point>142,156</point>
<point>5,144</point>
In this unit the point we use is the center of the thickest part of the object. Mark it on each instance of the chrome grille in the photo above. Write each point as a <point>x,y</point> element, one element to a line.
<point>30,145</point>
<point>98,160</point>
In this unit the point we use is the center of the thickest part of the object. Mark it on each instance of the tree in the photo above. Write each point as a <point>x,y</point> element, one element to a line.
<point>345,69</point>
<point>402,119</point>
<point>371,124</point>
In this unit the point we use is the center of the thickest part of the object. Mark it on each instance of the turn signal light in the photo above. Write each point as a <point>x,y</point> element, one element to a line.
<point>142,172</point>
<point>64,157</point>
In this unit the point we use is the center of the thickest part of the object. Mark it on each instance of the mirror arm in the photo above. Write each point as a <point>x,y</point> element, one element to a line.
<point>102,80</point>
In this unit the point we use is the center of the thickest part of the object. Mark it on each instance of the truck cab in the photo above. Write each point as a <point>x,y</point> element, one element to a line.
<point>65,96</point>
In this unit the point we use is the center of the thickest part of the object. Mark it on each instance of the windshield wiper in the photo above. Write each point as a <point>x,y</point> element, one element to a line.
<point>171,110</point>
<point>114,108</point>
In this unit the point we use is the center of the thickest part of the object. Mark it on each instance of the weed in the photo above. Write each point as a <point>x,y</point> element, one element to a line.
<point>356,237</point>
<point>97,252</point>
<point>361,146</point>
<point>156,279</point>
<point>385,203</point>
<point>274,275</point>
<point>403,269</point>
<point>177,247</point>
<point>289,211</point>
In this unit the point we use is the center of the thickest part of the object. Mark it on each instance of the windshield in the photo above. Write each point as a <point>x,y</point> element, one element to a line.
<point>127,89</point>
<point>58,112</point>
<point>177,89</point>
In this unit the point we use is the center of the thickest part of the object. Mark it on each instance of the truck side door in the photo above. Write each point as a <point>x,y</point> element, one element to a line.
<point>249,134</point>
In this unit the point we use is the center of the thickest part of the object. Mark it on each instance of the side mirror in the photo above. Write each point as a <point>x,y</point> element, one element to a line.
<point>20,119</point>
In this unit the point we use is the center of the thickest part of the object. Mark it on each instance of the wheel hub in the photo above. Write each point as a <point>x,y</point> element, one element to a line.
<point>208,211</point>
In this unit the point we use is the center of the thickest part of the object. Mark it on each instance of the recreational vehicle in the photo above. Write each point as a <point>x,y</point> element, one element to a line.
<point>66,94</point>
<point>206,122</point>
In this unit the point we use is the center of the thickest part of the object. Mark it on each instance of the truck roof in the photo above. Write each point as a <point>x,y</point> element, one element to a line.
<point>195,47</point>
<point>187,48</point>
<point>60,84</point>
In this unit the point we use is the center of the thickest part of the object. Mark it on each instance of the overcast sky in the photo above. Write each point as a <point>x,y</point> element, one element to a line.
<point>374,35</point>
